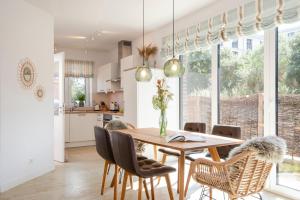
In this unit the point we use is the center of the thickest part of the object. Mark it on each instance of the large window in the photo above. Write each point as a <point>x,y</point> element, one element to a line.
<point>288,103</point>
<point>195,88</point>
<point>241,85</point>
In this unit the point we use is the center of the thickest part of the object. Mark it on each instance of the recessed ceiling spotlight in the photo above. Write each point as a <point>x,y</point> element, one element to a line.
<point>107,32</point>
<point>78,37</point>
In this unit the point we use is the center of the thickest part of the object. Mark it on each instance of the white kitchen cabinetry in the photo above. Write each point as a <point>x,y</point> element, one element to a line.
<point>100,80</point>
<point>82,126</point>
<point>126,64</point>
<point>108,78</point>
<point>138,109</point>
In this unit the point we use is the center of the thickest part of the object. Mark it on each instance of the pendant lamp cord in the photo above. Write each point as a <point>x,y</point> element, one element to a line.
<point>173,30</point>
<point>143,32</point>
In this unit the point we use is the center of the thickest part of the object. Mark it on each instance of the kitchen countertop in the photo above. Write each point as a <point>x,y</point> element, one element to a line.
<point>93,111</point>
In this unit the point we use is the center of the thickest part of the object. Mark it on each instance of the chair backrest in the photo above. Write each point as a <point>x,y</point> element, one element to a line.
<point>226,131</point>
<point>248,174</point>
<point>195,127</point>
<point>103,144</point>
<point>124,151</point>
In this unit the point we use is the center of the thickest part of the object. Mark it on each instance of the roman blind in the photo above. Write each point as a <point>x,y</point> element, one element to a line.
<point>79,68</point>
<point>254,16</point>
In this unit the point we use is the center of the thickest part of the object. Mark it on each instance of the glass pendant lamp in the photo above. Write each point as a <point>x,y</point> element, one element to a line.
<point>173,67</point>
<point>143,73</point>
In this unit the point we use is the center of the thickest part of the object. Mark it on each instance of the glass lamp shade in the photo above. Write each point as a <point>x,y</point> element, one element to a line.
<point>173,68</point>
<point>143,74</point>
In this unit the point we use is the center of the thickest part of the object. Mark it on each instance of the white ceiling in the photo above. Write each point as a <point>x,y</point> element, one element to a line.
<point>114,19</point>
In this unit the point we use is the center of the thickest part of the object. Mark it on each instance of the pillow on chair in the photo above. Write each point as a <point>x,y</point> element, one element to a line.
<point>115,125</point>
<point>270,148</point>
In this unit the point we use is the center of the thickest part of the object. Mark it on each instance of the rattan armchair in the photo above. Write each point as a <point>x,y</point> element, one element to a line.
<point>240,176</point>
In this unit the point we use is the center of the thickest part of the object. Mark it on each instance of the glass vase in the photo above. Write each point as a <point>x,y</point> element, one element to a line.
<point>163,124</point>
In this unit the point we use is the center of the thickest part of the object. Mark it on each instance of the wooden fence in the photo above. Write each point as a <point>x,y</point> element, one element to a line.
<point>247,112</point>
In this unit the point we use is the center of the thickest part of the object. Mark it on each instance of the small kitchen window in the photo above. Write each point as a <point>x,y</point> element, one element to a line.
<point>78,82</point>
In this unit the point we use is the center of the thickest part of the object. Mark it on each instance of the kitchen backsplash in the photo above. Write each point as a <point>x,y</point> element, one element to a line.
<point>109,97</point>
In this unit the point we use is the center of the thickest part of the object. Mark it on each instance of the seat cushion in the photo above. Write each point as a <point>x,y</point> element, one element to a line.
<point>195,156</point>
<point>149,168</point>
<point>169,152</point>
<point>140,157</point>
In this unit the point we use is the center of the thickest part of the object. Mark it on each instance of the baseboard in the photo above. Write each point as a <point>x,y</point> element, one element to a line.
<point>80,144</point>
<point>27,177</point>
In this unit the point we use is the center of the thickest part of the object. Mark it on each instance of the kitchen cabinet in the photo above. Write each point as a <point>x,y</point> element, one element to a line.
<point>82,126</point>
<point>108,78</point>
<point>126,64</point>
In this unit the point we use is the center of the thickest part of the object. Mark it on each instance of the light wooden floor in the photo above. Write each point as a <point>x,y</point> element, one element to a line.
<point>79,179</point>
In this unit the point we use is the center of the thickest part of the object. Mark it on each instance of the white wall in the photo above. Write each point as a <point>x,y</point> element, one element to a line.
<point>26,137</point>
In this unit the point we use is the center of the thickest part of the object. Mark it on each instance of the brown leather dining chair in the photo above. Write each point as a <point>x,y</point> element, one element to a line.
<point>189,126</point>
<point>125,157</point>
<point>104,149</point>
<point>220,130</point>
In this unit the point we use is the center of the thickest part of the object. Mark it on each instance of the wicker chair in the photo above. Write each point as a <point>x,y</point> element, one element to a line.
<point>240,176</point>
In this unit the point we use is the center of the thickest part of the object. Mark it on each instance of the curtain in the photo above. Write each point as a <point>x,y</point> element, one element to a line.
<point>78,68</point>
<point>254,16</point>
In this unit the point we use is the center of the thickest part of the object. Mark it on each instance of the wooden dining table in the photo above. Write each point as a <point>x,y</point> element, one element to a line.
<point>151,136</point>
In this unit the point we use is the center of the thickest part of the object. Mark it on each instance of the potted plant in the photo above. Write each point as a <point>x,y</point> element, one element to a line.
<point>81,98</point>
<point>160,102</point>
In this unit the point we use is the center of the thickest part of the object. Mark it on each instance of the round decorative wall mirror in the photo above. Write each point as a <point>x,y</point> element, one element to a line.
<point>27,75</point>
<point>39,92</point>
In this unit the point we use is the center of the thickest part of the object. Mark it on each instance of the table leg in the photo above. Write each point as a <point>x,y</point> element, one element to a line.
<point>215,157</point>
<point>181,175</point>
<point>155,152</point>
<point>214,154</point>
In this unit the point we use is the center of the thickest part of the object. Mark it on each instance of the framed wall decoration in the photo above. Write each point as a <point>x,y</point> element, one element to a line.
<point>26,73</point>
<point>39,92</point>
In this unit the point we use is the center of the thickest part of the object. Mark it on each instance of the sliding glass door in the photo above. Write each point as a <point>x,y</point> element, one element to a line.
<point>241,84</point>
<point>288,104</point>
<point>195,88</point>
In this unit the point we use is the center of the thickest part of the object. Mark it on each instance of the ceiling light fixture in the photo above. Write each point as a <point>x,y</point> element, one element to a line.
<point>173,67</point>
<point>76,37</point>
<point>143,73</point>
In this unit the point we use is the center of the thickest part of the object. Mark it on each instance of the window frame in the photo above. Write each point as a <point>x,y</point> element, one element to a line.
<point>88,85</point>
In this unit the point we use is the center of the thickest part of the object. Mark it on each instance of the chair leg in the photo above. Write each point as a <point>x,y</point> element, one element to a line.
<point>116,183</point>
<point>140,188</point>
<point>113,180</point>
<point>188,182</point>
<point>124,185</point>
<point>178,178</point>
<point>152,189</point>
<point>163,161</point>
<point>146,189</point>
<point>104,177</point>
<point>108,169</point>
<point>169,187</point>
